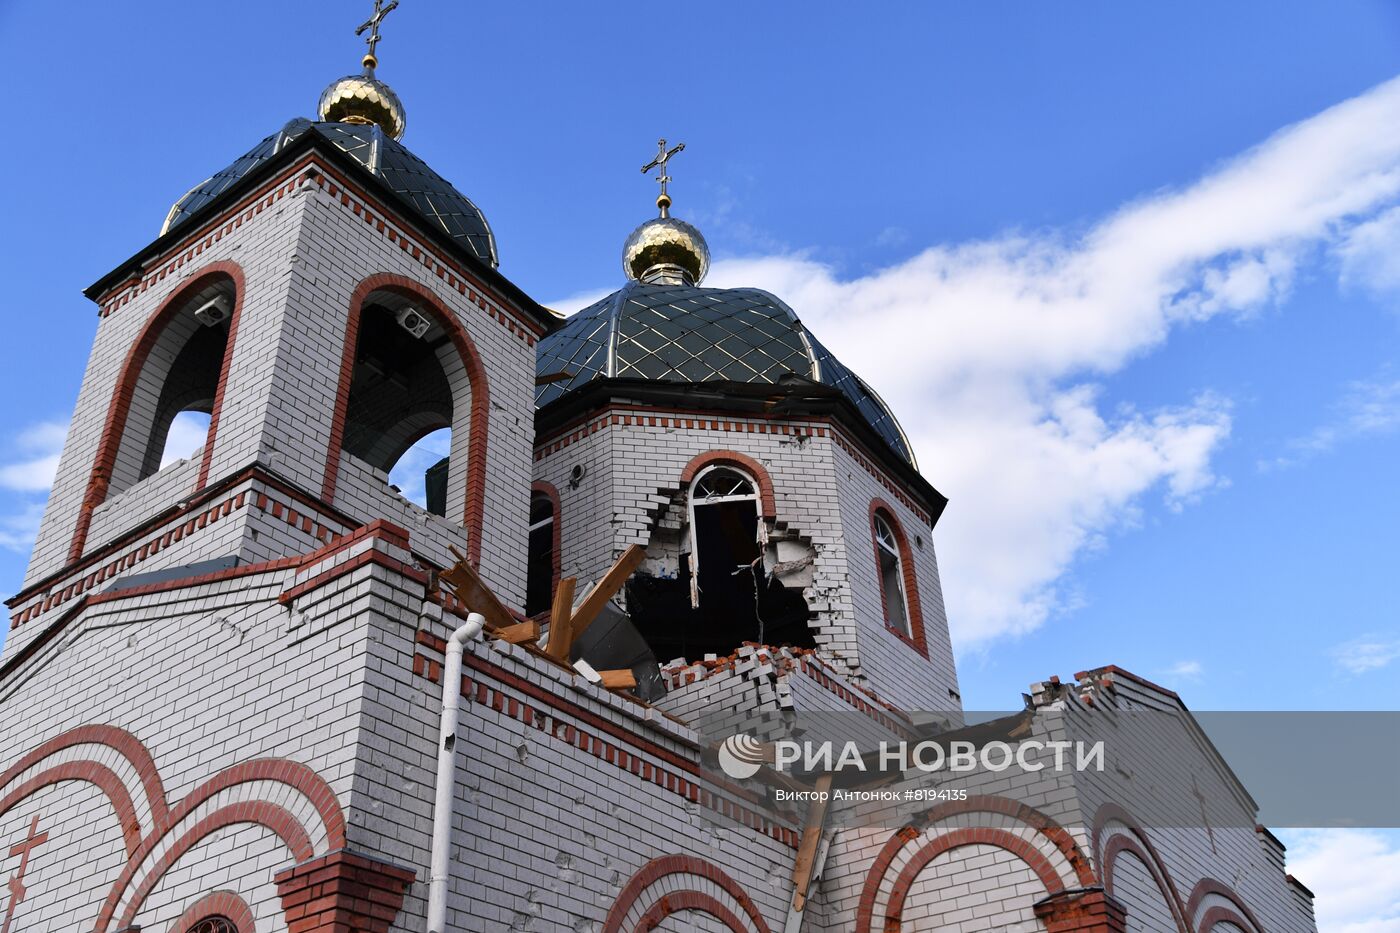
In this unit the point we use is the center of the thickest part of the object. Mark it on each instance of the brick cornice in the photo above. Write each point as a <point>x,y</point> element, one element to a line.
<point>342,891</point>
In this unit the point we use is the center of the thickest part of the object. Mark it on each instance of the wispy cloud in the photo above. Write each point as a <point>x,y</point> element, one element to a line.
<point>38,448</point>
<point>1366,653</point>
<point>993,352</point>
<point>1355,874</point>
<point>1367,409</point>
<point>1184,670</point>
<point>17,531</point>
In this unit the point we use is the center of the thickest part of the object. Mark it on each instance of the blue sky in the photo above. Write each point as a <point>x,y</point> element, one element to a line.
<point>1124,272</point>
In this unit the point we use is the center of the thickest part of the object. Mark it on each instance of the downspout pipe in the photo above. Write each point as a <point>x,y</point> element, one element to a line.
<point>446,770</point>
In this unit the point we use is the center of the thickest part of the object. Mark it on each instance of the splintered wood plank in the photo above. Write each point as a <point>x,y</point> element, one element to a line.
<point>520,633</point>
<point>618,680</point>
<point>811,838</point>
<point>561,629</point>
<point>474,594</point>
<point>607,587</point>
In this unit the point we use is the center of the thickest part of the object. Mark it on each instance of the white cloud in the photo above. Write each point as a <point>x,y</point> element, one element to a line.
<point>1184,670</point>
<point>17,531</point>
<point>38,447</point>
<point>1355,874</point>
<point>1366,653</point>
<point>407,473</point>
<point>1368,408</point>
<point>187,435</point>
<point>992,352</point>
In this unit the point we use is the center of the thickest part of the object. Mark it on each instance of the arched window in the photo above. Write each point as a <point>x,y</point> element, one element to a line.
<point>175,390</point>
<point>214,924</point>
<point>542,570</point>
<point>721,593</point>
<point>890,559</point>
<point>405,388</point>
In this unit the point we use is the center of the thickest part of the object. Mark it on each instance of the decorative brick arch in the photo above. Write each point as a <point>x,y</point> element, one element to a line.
<point>476,378</point>
<point>1237,912</point>
<point>1136,841</point>
<point>980,803</point>
<point>732,458</point>
<point>542,488</point>
<point>219,904</point>
<point>956,839</point>
<point>109,444</point>
<point>916,638</point>
<point>667,899</point>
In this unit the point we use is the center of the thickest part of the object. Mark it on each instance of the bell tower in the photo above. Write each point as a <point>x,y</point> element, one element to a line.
<point>325,301</point>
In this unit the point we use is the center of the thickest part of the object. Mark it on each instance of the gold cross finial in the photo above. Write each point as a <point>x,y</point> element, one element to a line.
<point>381,10</point>
<point>662,157</point>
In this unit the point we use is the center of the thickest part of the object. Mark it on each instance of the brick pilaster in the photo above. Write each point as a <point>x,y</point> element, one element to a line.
<point>342,891</point>
<point>1084,911</point>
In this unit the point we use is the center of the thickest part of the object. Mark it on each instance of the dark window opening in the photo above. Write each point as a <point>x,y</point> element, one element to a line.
<point>731,598</point>
<point>540,582</point>
<point>190,386</point>
<point>398,418</point>
<point>891,574</point>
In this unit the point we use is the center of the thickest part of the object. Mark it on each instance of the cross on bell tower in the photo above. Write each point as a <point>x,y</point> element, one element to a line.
<point>372,24</point>
<point>663,156</point>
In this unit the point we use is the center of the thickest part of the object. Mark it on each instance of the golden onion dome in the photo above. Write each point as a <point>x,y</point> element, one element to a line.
<point>666,250</point>
<point>363,99</point>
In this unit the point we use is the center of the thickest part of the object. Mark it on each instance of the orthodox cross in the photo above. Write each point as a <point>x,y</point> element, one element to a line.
<point>1205,817</point>
<point>662,157</point>
<point>372,24</point>
<point>16,885</point>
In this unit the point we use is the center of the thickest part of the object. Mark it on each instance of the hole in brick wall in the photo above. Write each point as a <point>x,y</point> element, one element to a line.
<point>188,431</point>
<point>421,473</point>
<point>722,593</point>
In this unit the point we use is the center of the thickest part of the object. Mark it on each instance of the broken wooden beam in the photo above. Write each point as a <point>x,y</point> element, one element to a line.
<point>561,629</point>
<point>474,594</point>
<point>606,588</point>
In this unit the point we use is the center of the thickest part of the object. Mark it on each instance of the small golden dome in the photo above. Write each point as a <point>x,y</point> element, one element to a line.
<point>363,99</point>
<point>667,250</point>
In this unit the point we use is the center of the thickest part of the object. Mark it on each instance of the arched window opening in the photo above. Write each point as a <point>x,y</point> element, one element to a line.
<point>724,592</point>
<point>188,432</point>
<point>214,924</point>
<point>180,377</point>
<point>891,566</point>
<point>403,396</point>
<point>540,579</point>
<point>420,474</point>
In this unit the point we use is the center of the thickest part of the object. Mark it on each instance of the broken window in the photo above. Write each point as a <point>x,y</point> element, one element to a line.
<point>722,593</point>
<point>540,582</point>
<point>891,563</point>
<point>403,391</point>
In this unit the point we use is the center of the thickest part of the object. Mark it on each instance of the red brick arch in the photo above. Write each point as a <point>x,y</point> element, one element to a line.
<point>733,458</point>
<point>1136,841</point>
<point>956,839</point>
<point>109,444</point>
<point>663,905</point>
<point>540,487</point>
<point>916,637</point>
<point>219,904</point>
<point>476,377</point>
<point>1239,914</point>
<point>977,803</point>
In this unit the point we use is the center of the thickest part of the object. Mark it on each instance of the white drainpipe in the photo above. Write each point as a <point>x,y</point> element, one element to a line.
<point>446,771</point>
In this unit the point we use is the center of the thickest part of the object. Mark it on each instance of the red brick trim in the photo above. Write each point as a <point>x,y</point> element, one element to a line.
<point>955,839</point>
<point>1083,911</point>
<point>1208,886</point>
<point>678,901</point>
<point>980,803</point>
<point>104,778</point>
<point>219,904</point>
<point>1136,841</point>
<point>258,812</point>
<point>1119,672</point>
<point>915,637</point>
<point>1222,914</point>
<point>732,458</point>
<point>666,865</point>
<point>109,443</point>
<point>607,741</point>
<point>342,891</point>
<point>476,378</point>
<point>364,559</point>
<point>541,487</point>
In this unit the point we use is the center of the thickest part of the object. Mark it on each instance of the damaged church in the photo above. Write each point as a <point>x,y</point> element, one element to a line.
<point>257,689</point>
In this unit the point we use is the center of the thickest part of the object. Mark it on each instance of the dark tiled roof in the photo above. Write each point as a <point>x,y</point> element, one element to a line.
<point>679,333</point>
<point>431,196</point>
